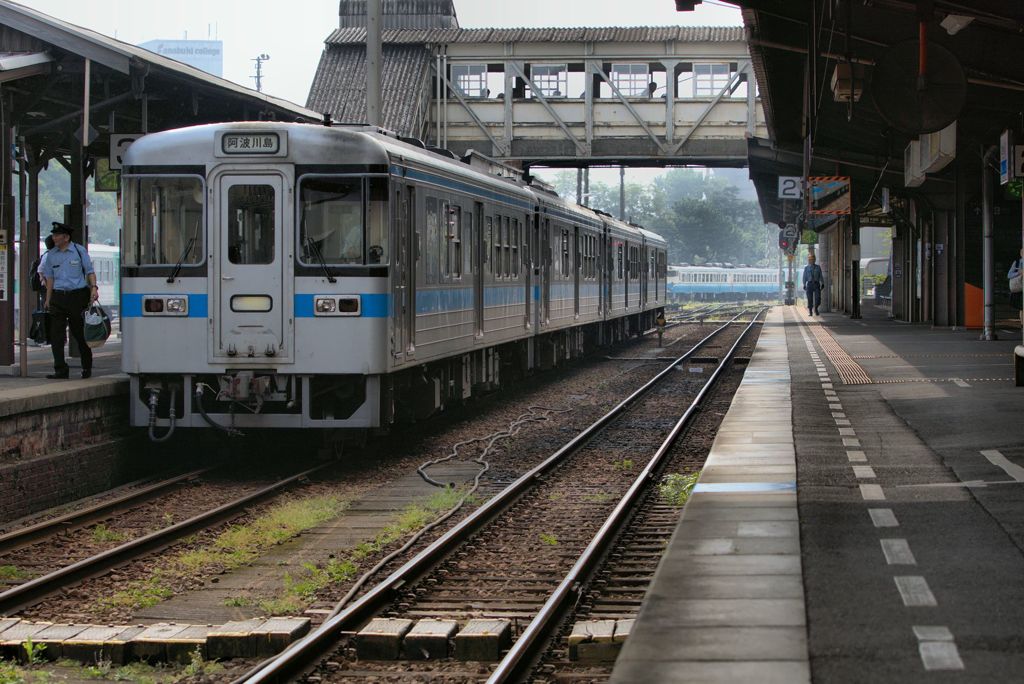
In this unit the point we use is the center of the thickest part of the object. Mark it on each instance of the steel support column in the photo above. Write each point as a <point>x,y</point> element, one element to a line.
<point>987,251</point>
<point>855,264</point>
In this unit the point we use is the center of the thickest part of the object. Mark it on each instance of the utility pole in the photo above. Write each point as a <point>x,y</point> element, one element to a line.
<point>622,193</point>
<point>373,63</point>
<point>260,59</point>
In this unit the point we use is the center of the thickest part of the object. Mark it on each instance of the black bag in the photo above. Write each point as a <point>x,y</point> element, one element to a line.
<point>97,326</point>
<point>39,331</point>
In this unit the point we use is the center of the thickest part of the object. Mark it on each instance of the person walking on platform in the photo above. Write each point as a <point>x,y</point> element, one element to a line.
<point>70,289</point>
<point>813,281</point>
<point>1016,277</point>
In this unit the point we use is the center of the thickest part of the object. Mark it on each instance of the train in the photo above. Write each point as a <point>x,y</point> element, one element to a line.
<point>722,281</point>
<point>289,275</point>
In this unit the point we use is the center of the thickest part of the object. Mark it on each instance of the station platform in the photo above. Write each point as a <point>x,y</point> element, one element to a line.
<point>34,391</point>
<point>860,517</point>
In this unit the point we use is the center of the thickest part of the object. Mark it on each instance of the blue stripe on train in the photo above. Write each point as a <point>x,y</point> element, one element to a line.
<point>131,304</point>
<point>370,305</point>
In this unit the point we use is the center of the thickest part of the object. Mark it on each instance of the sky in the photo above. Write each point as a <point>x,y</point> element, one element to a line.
<point>294,38</point>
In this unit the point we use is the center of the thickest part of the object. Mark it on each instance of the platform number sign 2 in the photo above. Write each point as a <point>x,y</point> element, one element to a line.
<point>791,187</point>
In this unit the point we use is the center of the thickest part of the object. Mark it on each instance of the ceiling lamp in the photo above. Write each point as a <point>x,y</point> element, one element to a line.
<point>953,23</point>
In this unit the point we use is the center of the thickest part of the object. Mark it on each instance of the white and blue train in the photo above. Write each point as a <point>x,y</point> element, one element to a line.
<point>291,275</point>
<point>722,282</point>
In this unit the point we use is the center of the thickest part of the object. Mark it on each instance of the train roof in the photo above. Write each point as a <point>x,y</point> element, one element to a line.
<point>364,145</point>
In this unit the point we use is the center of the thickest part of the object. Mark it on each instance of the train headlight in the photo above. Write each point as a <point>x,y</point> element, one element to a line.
<point>337,305</point>
<point>176,305</point>
<point>326,305</point>
<point>162,305</point>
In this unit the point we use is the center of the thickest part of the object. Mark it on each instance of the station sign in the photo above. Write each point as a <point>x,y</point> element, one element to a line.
<point>119,144</point>
<point>830,195</point>
<point>791,187</point>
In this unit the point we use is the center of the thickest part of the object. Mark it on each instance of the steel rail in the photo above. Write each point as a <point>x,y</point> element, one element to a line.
<point>32,591</point>
<point>290,662</point>
<point>26,535</point>
<point>522,653</point>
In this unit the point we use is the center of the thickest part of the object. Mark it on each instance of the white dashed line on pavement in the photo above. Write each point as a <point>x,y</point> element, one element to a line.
<point>856,456</point>
<point>997,459</point>
<point>940,655</point>
<point>897,552</point>
<point>914,591</point>
<point>872,492</point>
<point>883,517</point>
<point>960,383</point>
<point>864,472</point>
<point>851,442</point>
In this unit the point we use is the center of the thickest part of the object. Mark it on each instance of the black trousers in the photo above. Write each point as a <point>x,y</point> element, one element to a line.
<point>66,309</point>
<point>813,298</point>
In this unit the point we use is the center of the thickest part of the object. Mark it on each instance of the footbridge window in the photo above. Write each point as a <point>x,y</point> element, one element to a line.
<point>551,80</point>
<point>706,80</point>
<point>631,79</point>
<point>470,79</point>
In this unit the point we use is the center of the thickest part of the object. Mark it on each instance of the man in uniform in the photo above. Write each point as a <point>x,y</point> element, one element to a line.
<point>70,289</point>
<point>813,282</point>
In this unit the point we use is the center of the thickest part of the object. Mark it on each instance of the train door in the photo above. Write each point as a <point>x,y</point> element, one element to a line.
<point>400,272</point>
<point>645,270</point>
<point>545,273</point>
<point>627,256</point>
<point>527,266</point>
<point>254,298</point>
<point>477,246</point>
<point>576,270</point>
<point>411,270</point>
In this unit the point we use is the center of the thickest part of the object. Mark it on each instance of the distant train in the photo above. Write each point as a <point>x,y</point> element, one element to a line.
<point>721,282</point>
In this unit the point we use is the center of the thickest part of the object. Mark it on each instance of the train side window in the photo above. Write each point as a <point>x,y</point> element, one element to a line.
<point>251,219</point>
<point>506,230</point>
<point>515,248</point>
<point>497,247</point>
<point>619,261</point>
<point>430,251</point>
<point>471,236</point>
<point>452,248</point>
<point>566,266</point>
<point>488,229</point>
<point>377,221</point>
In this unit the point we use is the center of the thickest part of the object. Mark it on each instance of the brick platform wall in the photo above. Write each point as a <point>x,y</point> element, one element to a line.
<point>50,456</point>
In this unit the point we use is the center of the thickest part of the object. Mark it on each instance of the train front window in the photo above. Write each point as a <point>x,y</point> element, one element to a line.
<point>331,220</point>
<point>163,221</point>
<point>251,224</point>
<point>335,222</point>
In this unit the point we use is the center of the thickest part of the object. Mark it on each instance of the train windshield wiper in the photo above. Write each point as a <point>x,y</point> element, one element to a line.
<point>181,259</point>
<point>320,257</point>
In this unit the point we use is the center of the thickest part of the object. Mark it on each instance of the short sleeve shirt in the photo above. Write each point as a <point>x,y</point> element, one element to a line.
<point>68,268</point>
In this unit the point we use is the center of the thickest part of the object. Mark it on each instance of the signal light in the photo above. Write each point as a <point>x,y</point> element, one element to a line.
<point>783,240</point>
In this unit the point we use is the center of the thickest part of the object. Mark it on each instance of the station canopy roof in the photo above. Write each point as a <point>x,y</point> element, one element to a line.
<point>986,37</point>
<point>42,63</point>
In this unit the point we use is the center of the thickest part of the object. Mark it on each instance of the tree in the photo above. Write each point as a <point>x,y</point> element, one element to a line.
<point>55,192</point>
<point>706,217</point>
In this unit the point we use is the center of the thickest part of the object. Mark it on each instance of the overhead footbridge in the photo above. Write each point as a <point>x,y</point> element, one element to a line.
<point>646,96</point>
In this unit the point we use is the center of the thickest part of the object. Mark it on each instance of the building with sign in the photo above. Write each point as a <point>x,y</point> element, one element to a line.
<point>207,55</point>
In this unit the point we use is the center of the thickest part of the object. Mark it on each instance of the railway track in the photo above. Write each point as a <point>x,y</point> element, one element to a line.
<point>48,550</point>
<point>523,555</point>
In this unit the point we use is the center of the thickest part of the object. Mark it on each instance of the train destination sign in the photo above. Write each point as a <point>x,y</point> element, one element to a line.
<point>250,143</point>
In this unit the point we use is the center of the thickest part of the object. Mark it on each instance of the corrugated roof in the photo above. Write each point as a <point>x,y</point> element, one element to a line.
<point>339,86</point>
<point>636,34</point>
<point>118,55</point>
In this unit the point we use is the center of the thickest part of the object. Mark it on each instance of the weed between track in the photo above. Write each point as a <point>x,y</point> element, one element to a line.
<point>236,546</point>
